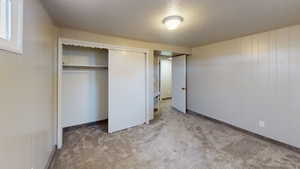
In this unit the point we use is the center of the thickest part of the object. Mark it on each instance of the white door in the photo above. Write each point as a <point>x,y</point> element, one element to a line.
<point>127,89</point>
<point>179,83</point>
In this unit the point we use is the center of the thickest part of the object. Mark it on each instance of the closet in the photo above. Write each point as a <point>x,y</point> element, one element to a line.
<point>84,85</point>
<point>102,82</point>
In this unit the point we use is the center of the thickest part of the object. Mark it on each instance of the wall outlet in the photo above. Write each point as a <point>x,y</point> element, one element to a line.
<point>261,124</point>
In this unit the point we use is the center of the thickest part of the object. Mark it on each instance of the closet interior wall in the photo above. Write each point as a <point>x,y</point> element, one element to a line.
<point>84,85</point>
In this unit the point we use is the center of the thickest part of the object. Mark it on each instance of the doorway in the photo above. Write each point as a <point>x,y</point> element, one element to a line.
<point>170,79</point>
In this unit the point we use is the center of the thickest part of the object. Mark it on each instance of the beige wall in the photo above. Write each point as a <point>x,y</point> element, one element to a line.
<point>250,79</point>
<point>86,36</point>
<point>26,94</point>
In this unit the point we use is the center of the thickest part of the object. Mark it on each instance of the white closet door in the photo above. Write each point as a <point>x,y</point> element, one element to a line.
<point>127,90</point>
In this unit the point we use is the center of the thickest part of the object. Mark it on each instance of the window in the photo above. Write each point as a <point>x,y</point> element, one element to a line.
<point>5,29</point>
<point>11,25</point>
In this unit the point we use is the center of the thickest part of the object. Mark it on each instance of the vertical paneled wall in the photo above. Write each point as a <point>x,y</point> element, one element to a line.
<point>248,80</point>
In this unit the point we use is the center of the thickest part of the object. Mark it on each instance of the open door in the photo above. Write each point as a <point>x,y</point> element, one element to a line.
<point>179,83</point>
<point>127,89</point>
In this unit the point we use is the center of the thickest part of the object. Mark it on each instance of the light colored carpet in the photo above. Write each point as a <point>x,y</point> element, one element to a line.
<point>172,141</point>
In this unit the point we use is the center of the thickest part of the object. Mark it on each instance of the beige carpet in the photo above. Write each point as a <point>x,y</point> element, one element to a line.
<point>172,141</point>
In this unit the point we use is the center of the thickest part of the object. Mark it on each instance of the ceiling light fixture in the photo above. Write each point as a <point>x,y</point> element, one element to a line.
<point>172,22</point>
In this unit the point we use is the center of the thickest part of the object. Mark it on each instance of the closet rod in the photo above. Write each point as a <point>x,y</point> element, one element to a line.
<point>85,66</point>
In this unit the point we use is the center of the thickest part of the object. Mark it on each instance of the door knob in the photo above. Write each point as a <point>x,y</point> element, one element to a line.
<point>183,88</point>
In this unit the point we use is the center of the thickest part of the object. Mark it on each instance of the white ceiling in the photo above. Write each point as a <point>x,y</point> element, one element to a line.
<point>205,21</point>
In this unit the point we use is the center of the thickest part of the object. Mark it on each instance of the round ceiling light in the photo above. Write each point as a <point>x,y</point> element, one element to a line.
<point>172,22</point>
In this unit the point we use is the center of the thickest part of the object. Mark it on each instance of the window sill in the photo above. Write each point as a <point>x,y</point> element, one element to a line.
<point>16,50</point>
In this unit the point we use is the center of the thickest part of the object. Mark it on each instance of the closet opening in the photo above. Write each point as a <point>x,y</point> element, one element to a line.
<point>84,88</point>
<point>95,88</point>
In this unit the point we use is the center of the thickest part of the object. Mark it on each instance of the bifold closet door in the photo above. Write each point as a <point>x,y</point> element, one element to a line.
<point>127,89</point>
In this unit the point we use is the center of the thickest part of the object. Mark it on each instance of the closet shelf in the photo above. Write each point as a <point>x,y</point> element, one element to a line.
<point>85,66</point>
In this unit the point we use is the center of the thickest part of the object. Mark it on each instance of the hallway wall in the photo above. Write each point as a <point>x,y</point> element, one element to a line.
<point>165,78</point>
<point>27,82</point>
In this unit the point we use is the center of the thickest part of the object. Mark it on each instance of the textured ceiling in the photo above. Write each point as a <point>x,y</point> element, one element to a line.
<point>205,21</point>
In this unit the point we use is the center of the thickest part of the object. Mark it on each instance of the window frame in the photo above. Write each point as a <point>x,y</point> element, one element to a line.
<point>15,43</point>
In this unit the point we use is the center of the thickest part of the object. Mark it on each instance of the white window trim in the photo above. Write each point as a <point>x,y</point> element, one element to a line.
<point>15,44</point>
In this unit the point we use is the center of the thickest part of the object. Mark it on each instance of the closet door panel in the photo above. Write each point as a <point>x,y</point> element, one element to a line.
<point>127,89</point>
